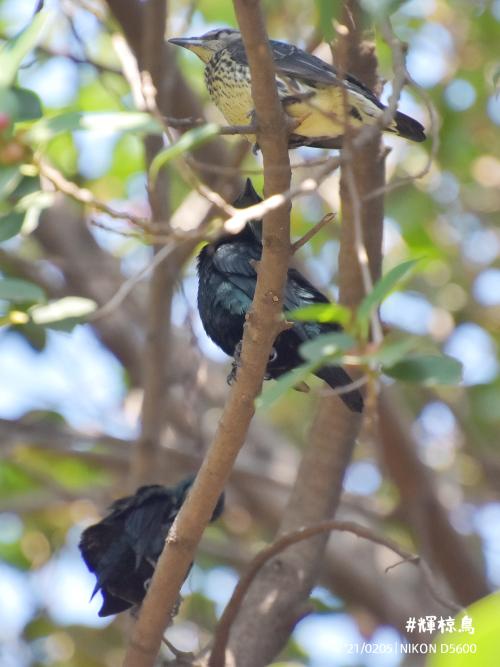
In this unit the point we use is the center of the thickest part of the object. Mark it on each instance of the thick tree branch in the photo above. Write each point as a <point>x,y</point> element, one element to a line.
<point>158,337</point>
<point>442,545</point>
<point>286,581</point>
<point>259,335</point>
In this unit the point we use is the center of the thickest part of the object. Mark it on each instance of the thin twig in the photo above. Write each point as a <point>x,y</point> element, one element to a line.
<point>397,49</point>
<point>325,220</point>
<point>217,658</point>
<point>126,287</point>
<point>360,248</point>
<point>85,196</point>
<point>105,69</point>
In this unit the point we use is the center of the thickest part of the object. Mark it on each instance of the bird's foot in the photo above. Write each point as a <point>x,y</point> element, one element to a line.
<point>273,355</point>
<point>235,365</point>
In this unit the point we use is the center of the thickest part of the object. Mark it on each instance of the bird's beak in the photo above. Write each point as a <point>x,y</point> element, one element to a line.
<point>197,45</point>
<point>186,42</point>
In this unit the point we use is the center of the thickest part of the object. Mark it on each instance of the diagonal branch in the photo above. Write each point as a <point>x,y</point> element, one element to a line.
<point>217,658</point>
<point>263,323</point>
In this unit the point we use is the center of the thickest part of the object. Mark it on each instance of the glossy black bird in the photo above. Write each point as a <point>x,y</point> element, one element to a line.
<point>123,548</point>
<point>314,96</point>
<point>226,287</point>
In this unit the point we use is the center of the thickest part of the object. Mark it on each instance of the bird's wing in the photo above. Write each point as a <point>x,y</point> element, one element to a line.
<point>95,541</point>
<point>103,550</point>
<point>234,262</point>
<point>112,604</point>
<point>295,63</point>
<point>299,293</point>
<point>146,526</point>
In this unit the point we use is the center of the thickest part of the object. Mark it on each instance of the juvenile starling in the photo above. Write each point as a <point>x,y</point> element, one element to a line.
<point>123,548</point>
<point>311,91</point>
<point>227,279</point>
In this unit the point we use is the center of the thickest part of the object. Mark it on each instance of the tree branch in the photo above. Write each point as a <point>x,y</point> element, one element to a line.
<point>217,658</point>
<point>156,356</point>
<point>259,335</point>
<point>439,541</point>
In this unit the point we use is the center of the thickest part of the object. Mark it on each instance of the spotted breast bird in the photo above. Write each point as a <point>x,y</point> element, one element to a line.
<point>123,548</point>
<point>227,280</point>
<point>316,98</point>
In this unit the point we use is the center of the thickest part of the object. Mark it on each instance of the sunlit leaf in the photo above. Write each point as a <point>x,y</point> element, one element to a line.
<point>63,314</point>
<point>321,312</point>
<point>115,121</point>
<point>17,290</point>
<point>380,8</point>
<point>10,177</point>
<point>328,12</point>
<point>10,225</point>
<point>275,390</point>
<point>16,49</point>
<point>189,141</point>
<point>479,648</point>
<point>20,104</point>
<point>382,288</point>
<point>393,350</point>
<point>496,77</point>
<point>326,346</point>
<point>37,199</point>
<point>428,370</point>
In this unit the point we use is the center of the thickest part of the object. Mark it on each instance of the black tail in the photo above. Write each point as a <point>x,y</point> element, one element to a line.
<point>408,127</point>
<point>337,377</point>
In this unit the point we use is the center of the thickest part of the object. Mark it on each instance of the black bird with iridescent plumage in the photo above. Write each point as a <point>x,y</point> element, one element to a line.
<point>227,280</point>
<point>123,548</point>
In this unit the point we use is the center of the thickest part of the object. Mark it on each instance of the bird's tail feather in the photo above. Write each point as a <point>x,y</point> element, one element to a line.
<point>337,377</point>
<point>408,127</point>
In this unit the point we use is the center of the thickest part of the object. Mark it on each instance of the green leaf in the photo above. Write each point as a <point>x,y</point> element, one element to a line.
<point>38,199</point>
<point>381,289</point>
<point>321,312</point>
<point>20,104</point>
<point>381,8</point>
<point>428,370</point>
<point>393,350</point>
<point>118,121</point>
<point>464,649</point>
<point>496,77</point>
<point>10,177</point>
<point>28,104</point>
<point>287,381</point>
<point>15,50</point>
<point>63,314</point>
<point>10,225</point>
<point>328,11</point>
<point>189,141</point>
<point>326,346</point>
<point>20,291</point>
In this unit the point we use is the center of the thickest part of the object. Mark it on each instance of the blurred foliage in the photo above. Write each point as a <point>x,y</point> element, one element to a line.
<point>474,643</point>
<point>62,97</point>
